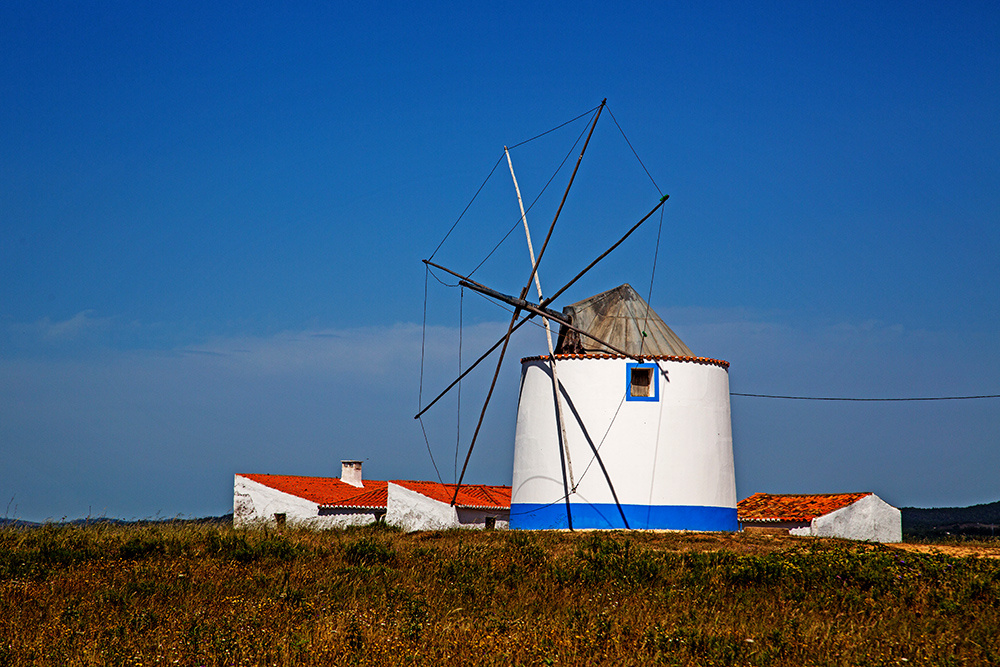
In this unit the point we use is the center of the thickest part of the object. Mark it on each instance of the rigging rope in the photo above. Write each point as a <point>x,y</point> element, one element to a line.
<point>652,274</point>
<point>881,400</point>
<point>423,342</point>
<point>434,275</point>
<point>537,136</point>
<point>420,392</point>
<point>541,192</point>
<point>499,160</point>
<point>603,438</point>
<point>490,175</point>
<point>458,426</point>
<point>426,440</point>
<point>633,151</point>
<point>542,507</point>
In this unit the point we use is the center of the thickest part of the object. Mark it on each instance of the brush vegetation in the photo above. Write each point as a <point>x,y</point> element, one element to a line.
<point>209,595</point>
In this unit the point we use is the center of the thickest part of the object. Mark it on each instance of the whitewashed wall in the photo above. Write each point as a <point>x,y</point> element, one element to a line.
<point>669,459</point>
<point>254,505</point>
<point>476,518</point>
<point>413,511</point>
<point>870,519</point>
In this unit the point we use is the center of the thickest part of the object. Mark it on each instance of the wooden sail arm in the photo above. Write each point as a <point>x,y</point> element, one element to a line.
<point>544,312</point>
<point>543,304</point>
<point>517,303</point>
<point>517,310</point>
<point>607,252</point>
<point>523,304</point>
<point>545,243</point>
<point>470,368</point>
<point>531,308</point>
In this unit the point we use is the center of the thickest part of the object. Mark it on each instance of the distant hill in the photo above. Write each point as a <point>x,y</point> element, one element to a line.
<point>19,523</point>
<point>975,521</point>
<point>978,521</point>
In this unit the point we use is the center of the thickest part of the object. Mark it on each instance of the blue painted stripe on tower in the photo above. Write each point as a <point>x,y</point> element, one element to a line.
<point>535,516</point>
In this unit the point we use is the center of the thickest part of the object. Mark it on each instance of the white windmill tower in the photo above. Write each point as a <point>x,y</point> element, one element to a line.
<point>646,440</point>
<point>619,425</point>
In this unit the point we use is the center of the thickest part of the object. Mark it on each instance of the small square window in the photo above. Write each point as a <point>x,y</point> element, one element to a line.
<point>279,519</point>
<point>642,382</point>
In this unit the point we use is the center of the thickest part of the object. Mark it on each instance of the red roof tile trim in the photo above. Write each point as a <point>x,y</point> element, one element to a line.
<point>473,496</point>
<point>327,491</point>
<point>647,357</point>
<point>793,507</point>
<point>373,499</point>
<point>330,492</point>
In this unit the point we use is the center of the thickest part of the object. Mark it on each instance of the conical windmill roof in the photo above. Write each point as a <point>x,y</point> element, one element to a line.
<point>621,318</point>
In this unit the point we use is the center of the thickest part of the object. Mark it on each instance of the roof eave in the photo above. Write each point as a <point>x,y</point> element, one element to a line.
<point>352,507</point>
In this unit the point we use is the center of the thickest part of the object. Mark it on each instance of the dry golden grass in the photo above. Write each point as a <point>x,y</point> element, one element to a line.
<point>203,595</point>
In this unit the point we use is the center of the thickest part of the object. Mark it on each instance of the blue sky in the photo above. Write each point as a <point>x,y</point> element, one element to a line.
<point>212,220</point>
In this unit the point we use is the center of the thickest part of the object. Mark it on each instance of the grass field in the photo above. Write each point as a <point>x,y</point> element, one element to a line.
<point>192,594</point>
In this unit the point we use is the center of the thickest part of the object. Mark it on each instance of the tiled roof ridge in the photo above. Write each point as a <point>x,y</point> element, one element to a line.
<point>470,496</point>
<point>809,495</point>
<point>365,499</point>
<point>794,506</point>
<point>251,475</point>
<point>332,492</point>
<point>324,491</point>
<point>376,481</point>
<point>650,357</point>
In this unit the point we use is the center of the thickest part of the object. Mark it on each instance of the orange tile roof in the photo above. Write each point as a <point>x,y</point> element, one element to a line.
<point>374,498</point>
<point>327,491</point>
<point>793,507</point>
<point>331,492</point>
<point>478,496</point>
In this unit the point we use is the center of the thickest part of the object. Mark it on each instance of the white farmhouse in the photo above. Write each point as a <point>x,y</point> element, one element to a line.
<point>852,516</point>
<point>329,502</point>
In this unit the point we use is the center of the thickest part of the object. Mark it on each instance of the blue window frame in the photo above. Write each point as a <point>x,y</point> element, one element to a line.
<point>642,382</point>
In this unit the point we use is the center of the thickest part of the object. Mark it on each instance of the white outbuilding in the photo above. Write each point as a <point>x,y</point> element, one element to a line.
<point>416,506</point>
<point>852,516</point>
<point>329,502</point>
<point>635,440</point>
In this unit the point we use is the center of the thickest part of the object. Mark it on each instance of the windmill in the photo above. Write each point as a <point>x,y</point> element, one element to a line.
<point>620,425</point>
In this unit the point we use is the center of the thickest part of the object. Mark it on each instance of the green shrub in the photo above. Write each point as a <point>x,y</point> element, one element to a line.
<point>369,551</point>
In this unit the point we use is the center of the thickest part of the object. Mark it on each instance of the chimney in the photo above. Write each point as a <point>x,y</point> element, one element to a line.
<point>350,473</point>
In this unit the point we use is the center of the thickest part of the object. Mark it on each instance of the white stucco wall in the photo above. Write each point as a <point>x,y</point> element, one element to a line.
<point>254,505</point>
<point>413,511</point>
<point>676,451</point>
<point>870,519</point>
<point>475,518</point>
